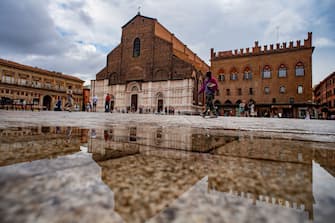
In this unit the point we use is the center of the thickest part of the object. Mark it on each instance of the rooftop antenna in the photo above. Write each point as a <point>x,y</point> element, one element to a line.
<point>277,27</point>
<point>138,12</point>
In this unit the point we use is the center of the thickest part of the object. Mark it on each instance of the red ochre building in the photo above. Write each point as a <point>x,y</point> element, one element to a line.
<point>25,87</point>
<point>276,79</point>
<point>324,97</point>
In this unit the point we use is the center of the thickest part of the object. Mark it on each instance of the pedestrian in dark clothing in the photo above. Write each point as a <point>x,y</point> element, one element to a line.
<point>210,86</point>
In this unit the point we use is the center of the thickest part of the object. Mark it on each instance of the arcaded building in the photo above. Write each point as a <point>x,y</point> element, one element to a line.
<point>324,96</point>
<point>26,87</point>
<point>275,79</point>
<point>150,71</point>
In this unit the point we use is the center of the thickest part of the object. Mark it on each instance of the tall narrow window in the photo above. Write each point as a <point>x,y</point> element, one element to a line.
<point>300,89</point>
<point>137,47</point>
<point>221,77</point>
<point>299,69</point>
<point>251,91</point>
<point>247,75</point>
<point>233,74</point>
<point>266,72</point>
<point>282,71</point>
<point>282,89</point>
<point>239,91</point>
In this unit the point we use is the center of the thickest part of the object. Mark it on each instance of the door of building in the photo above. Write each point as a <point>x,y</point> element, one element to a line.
<point>160,105</point>
<point>133,103</point>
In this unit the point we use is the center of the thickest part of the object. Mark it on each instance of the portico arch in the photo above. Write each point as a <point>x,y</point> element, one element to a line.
<point>47,102</point>
<point>160,101</point>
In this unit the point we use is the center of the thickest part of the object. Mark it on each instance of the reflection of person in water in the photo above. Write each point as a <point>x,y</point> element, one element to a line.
<point>68,134</point>
<point>106,135</point>
<point>93,133</point>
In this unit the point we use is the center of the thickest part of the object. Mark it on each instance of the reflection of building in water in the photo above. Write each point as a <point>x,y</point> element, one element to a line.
<point>22,144</point>
<point>187,139</point>
<point>160,166</point>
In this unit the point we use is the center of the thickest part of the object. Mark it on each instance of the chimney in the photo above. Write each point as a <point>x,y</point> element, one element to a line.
<point>256,48</point>
<point>212,53</point>
<point>247,49</point>
<point>291,44</point>
<point>241,50</point>
<point>235,52</point>
<point>265,48</point>
<point>284,45</point>
<point>308,41</point>
<point>277,46</point>
<point>271,47</point>
<point>298,43</point>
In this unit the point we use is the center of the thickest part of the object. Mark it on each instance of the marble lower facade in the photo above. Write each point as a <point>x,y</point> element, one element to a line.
<point>172,96</point>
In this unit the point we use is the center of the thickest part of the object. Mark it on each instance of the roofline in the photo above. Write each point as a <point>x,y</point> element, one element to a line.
<point>37,70</point>
<point>137,16</point>
<point>324,80</point>
<point>219,58</point>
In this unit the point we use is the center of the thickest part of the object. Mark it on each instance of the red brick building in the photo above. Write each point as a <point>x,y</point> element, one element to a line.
<point>324,96</point>
<point>150,71</point>
<point>272,80</point>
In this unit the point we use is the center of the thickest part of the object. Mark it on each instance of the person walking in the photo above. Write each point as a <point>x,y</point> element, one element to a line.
<point>107,102</point>
<point>69,102</point>
<point>210,86</point>
<point>95,102</point>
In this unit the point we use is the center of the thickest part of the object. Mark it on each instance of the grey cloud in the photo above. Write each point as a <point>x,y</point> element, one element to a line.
<point>221,24</point>
<point>77,8</point>
<point>26,27</point>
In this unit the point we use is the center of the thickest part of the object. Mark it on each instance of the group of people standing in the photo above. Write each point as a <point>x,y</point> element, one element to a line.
<point>210,87</point>
<point>90,107</point>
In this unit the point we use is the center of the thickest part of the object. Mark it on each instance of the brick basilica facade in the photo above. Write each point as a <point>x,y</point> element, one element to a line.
<point>150,71</point>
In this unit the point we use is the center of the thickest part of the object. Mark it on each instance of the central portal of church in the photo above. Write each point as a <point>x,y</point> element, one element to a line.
<point>160,105</point>
<point>134,102</point>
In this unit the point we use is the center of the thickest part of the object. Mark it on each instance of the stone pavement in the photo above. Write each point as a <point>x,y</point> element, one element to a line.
<point>99,167</point>
<point>300,129</point>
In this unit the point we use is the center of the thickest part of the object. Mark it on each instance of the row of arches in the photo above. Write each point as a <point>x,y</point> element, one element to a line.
<point>230,103</point>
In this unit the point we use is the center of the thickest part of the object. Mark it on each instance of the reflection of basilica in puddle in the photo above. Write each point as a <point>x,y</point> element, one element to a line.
<point>159,173</point>
<point>147,170</point>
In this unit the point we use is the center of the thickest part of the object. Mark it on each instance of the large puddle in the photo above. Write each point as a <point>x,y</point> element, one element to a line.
<point>159,174</point>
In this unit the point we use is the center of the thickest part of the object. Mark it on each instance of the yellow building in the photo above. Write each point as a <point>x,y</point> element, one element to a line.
<point>26,87</point>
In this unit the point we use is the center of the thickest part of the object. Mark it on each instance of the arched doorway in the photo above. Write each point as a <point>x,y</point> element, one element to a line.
<point>160,102</point>
<point>133,102</point>
<point>133,89</point>
<point>218,107</point>
<point>47,102</point>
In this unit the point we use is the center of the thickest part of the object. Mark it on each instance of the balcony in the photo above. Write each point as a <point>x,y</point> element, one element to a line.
<point>35,85</point>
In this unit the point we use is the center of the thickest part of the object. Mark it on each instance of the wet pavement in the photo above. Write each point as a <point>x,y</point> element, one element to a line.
<point>97,167</point>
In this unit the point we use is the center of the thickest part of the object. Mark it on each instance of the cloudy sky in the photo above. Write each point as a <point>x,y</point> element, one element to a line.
<point>74,36</point>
